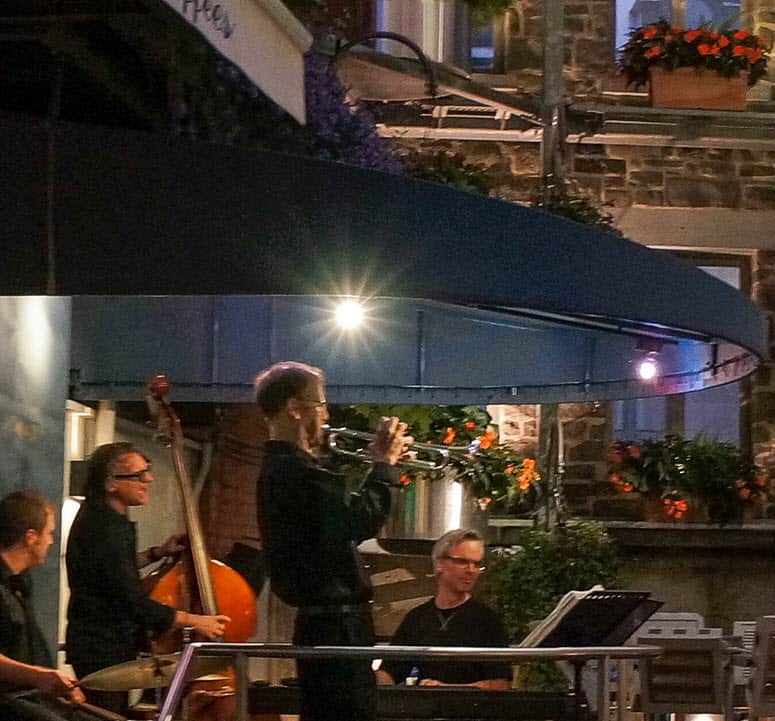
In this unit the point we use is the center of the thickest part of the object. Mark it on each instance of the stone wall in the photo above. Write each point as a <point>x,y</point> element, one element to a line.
<point>669,175</point>
<point>587,38</point>
<point>762,397</point>
<point>674,176</point>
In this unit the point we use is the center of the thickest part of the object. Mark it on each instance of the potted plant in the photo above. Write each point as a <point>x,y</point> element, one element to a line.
<point>694,68</point>
<point>524,583</point>
<point>682,476</point>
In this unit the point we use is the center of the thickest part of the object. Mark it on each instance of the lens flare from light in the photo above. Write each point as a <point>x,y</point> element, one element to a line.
<point>648,369</point>
<point>349,314</point>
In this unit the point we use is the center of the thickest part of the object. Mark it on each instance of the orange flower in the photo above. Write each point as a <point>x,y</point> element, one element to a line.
<point>487,440</point>
<point>761,480</point>
<point>511,468</point>
<point>744,493</point>
<point>678,515</point>
<point>704,49</point>
<point>649,32</point>
<point>754,56</point>
<point>723,41</point>
<point>616,480</point>
<point>524,482</point>
<point>741,35</point>
<point>739,50</point>
<point>529,464</point>
<point>450,436</point>
<point>652,52</point>
<point>470,425</point>
<point>628,487</point>
<point>675,29</point>
<point>691,35</point>
<point>404,480</point>
<point>681,505</point>
<point>714,36</point>
<point>484,502</point>
<point>633,451</point>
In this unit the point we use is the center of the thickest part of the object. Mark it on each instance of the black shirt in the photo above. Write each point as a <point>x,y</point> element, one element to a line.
<point>470,624</point>
<point>310,530</point>
<point>20,635</point>
<point>109,614</point>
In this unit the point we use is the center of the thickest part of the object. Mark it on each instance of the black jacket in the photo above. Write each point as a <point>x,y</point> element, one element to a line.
<point>310,530</point>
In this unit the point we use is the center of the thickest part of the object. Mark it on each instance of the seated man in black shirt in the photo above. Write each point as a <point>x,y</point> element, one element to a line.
<point>452,618</point>
<point>28,683</point>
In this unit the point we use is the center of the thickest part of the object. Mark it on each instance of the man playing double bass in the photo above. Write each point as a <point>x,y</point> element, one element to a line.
<point>310,531</point>
<point>110,617</point>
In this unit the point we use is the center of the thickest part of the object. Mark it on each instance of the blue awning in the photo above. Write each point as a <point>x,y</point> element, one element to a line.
<point>471,299</point>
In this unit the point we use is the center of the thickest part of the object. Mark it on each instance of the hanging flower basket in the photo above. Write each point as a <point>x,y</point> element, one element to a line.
<point>699,89</point>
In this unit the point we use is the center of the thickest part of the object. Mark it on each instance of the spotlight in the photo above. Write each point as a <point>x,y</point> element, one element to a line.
<point>349,314</point>
<point>648,368</point>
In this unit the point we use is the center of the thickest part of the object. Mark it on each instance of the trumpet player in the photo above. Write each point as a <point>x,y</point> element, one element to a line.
<point>310,532</point>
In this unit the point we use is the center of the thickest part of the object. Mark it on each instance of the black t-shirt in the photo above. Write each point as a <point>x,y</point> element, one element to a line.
<point>470,624</point>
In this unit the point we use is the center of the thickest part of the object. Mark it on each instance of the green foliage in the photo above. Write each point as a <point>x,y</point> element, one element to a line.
<point>428,424</point>
<point>448,169</point>
<point>525,582</point>
<point>561,201</point>
<point>483,11</point>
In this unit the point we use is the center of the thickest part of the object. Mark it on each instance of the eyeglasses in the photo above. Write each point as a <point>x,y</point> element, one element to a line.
<point>138,476</point>
<point>461,562</point>
<point>317,404</point>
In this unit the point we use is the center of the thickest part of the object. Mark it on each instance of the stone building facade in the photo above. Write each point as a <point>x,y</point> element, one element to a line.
<point>706,178</point>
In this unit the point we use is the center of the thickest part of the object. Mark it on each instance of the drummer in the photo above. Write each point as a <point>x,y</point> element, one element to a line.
<point>110,617</point>
<point>28,683</point>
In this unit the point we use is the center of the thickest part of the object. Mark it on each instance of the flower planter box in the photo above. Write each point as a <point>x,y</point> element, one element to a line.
<point>692,88</point>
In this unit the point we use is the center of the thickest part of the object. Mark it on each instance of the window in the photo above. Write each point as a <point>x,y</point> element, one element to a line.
<point>446,32</point>
<point>715,412</point>
<point>483,49</point>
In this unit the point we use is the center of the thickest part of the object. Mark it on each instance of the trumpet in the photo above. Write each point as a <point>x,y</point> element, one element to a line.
<point>440,455</point>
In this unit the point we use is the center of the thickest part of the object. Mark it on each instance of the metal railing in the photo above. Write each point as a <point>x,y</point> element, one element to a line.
<point>242,651</point>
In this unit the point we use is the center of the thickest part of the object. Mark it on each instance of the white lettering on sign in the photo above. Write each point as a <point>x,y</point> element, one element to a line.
<point>208,11</point>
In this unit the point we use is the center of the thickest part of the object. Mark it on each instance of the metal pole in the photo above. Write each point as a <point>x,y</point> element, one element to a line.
<point>553,92</point>
<point>54,107</point>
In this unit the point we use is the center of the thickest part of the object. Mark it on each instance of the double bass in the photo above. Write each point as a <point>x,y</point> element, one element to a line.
<point>197,583</point>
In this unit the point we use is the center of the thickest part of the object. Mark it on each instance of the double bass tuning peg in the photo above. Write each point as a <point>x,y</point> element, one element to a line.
<point>163,439</point>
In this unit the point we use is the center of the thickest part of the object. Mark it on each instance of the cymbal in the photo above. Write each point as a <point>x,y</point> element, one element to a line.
<point>151,672</point>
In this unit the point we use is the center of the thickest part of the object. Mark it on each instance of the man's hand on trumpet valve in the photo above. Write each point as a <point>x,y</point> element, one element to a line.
<point>390,443</point>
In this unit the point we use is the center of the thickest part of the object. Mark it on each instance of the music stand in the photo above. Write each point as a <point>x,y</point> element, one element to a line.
<point>596,618</point>
<point>601,618</point>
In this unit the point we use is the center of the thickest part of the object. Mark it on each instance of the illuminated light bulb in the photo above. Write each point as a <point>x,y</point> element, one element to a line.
<point>349,314</point>
<point>648,369</point>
